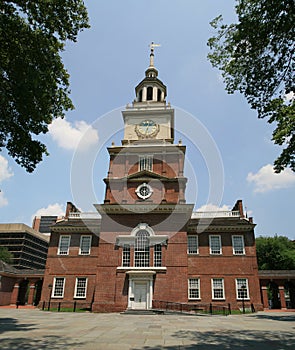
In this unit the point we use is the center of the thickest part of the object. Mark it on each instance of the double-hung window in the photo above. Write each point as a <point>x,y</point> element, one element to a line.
<point>158,255</point>
<point>192,244</point>
<point>242,288</point>
<point>63,245</point>
<point>238,245</point>
<point>194,288</point>
<point>142,249</point>
<point>215,244</point>
<point>58,287</point>
<point>85,245</point>
<point>126,255</point>
<point>218,288</point>
<point>80,287</point>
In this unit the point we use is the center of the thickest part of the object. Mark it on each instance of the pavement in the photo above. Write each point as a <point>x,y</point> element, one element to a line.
<point>23,329</point>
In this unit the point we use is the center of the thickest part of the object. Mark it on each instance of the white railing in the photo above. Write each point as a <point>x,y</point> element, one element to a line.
<point>84,215</point>
<point>215,214</point>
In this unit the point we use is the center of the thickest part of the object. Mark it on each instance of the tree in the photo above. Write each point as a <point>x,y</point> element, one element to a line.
<point>34,84</point>
<point>5,255</point>
<point>275,253</point>
<point>256,57</point>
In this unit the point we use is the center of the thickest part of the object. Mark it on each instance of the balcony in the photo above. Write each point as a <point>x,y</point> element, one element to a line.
<point>84,215</point>
<point>215,214</point>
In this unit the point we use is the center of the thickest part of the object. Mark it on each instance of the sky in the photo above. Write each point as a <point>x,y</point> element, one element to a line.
<point>229,153</point>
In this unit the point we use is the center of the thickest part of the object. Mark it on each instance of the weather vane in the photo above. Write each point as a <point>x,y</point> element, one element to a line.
<point>152,45</point>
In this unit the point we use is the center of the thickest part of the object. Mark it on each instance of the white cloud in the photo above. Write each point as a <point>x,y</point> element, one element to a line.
<point>266,179</point>
<point>5,171</point>
<point>3,200</point>
<point>52,209</point>
<point>68,136</point>
<point>213,207</point>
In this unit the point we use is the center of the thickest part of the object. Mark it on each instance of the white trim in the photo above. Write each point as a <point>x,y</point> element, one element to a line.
<point>54,285</point>
<point>75,293</point>
<point>212,289</point>
<point>240,236</point>
<point>89,251</point>
<point>247,288</point>
<point>147,269</point>
<point>199,288</point>
<point>188,246</point>
<point>59,244</point>
<point>210,244</point>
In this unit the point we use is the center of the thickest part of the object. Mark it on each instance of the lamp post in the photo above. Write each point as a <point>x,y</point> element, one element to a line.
<point>50,290</point>
<point>243,288</point>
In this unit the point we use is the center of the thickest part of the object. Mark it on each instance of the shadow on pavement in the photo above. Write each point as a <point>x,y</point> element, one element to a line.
<point>289,318</point>
<point>44,343</point>
<point>8,324</point>
<point>224,340</point>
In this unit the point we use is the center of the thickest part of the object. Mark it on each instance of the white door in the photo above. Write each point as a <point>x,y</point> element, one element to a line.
<point>140,296</point>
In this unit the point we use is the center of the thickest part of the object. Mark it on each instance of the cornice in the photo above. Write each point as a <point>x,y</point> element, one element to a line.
<point>144,208</point>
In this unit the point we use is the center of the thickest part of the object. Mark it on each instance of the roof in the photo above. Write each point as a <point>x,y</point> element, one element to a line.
<point>268,274</point>
<point>8,270</point>
<point>19,227</point>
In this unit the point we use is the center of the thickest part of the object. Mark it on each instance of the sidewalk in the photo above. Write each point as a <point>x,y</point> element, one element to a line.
<point>35,329</point>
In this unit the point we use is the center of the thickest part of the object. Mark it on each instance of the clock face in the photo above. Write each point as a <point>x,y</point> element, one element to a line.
<point>147,128</point>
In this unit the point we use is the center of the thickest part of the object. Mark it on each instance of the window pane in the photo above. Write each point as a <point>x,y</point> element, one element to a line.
<point>194,288</point>
<point>217,288</point>
<point>126,255</point>
<point>192,242</point>
<point>158,255</point>
<point>215,245</point>
<point>85,245</point>
<point>238,245</point>
<point>58,288</point>
<point>80,290</point>
<point>142,249</point>
<point>64,243</point>
<point>242,288</point>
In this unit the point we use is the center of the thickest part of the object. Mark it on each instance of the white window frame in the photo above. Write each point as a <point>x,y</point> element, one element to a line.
<point>63,251</point>
<point>126,255</point>
<point>85,288</point>
<point>191,245</point>
<point>235,250</point>
<point>238,288</point>
<point>215,251</point>
<point>214,288</point>
<point>81,252</point>
<point>145,162</point>
<point>158,255</point>
<point>192,288</point>
<point>60,295</point>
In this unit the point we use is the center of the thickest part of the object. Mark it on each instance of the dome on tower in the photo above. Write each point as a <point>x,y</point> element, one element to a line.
<point>151,89</point>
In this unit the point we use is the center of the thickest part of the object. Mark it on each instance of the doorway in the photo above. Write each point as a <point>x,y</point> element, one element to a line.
<point>140,296</point>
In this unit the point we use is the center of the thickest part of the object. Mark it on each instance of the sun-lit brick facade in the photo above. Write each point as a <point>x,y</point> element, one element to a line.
<point>147,245</point>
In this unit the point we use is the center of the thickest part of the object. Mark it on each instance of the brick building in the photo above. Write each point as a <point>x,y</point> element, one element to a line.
<point>147,246</point>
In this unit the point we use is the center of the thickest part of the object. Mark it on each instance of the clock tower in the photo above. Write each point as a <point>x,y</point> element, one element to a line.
<point>144,214</point>
<point>149,118</point>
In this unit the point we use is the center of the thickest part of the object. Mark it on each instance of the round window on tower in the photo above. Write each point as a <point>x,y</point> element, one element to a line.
<point>144,191</point>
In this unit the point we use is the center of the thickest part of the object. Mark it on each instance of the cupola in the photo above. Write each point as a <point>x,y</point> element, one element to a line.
<point>151,89</point>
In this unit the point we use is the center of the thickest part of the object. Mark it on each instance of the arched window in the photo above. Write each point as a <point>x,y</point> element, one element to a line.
<point>159,94</point>
<point>142,249</point>
<point>140,96</point>
<point>149,95</point>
